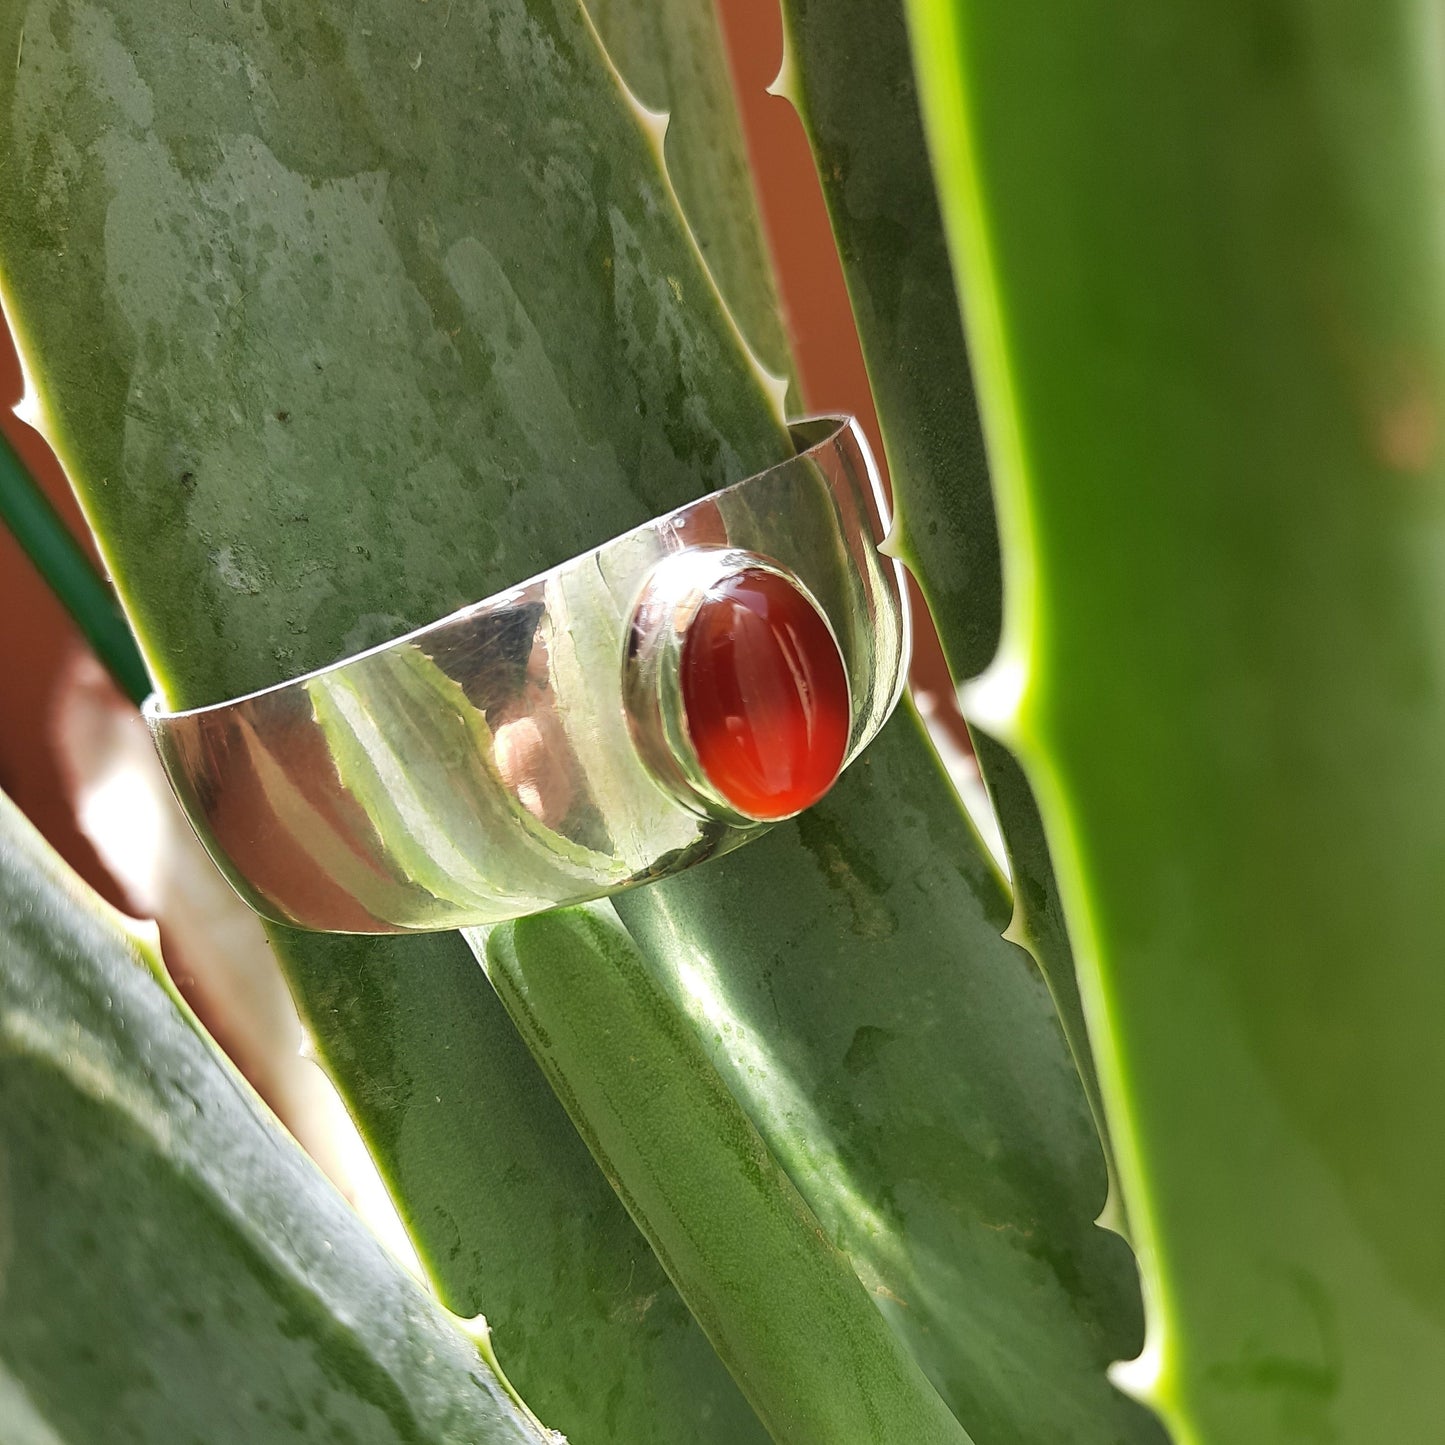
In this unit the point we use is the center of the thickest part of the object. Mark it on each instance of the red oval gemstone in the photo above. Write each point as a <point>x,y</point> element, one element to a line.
<point>765,694</point>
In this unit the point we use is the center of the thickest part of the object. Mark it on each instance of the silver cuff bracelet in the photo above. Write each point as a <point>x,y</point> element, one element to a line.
<point>625,715</point>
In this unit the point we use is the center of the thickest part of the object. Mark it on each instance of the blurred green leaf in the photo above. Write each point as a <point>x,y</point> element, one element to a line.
<point>174,1267</point>
<point>345,314</point>
<point>1201,248</point>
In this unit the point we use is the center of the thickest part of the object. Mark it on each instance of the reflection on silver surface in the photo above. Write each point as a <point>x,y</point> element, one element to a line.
<point>482,767</point>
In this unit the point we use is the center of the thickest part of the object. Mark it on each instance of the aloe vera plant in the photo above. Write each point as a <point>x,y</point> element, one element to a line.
<point>342,314</point>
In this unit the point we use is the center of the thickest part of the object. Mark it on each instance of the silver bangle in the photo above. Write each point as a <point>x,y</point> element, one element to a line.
<point>636,710</point>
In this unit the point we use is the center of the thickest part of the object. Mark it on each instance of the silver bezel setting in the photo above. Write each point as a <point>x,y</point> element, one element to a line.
<point>666,607</point>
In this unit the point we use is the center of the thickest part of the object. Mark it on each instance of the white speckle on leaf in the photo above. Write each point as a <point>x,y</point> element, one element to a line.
<point>233,571</point>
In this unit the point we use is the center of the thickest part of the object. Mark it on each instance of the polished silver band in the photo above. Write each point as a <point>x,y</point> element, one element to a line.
<point>531,749</point>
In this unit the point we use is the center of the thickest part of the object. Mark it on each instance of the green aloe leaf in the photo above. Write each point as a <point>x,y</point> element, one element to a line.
<point>775,1294</point>
<point>1203,279</point>
<point>174,1266</point>
<point>670,54</point>
<point>849,74</point>
<point>904,1064</point>
<point>505,1202</point>
<point>342,314</point>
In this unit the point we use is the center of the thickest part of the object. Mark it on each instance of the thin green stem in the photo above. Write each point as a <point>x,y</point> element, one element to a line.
<point>68,572</point>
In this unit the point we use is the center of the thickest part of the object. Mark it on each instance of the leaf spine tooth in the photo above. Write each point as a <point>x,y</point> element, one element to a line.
<point>654,122</point>
<point>785,83</point>
<point>29,408</point>
<point>1113,1216</point>
<point>1017,931</point>
<point>994,699</point>
<point>145,933</point>
<point>774,383</point>
<point>1139,1378</point>
<point>481,1332</point>
<point>655,125</point>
